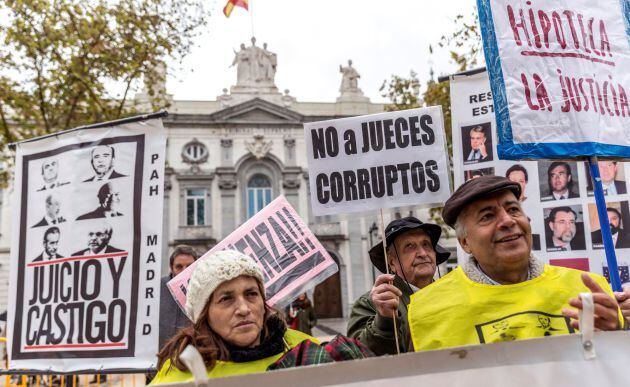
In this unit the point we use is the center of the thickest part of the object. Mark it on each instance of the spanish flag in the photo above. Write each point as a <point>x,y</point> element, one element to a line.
<point>227,10</point>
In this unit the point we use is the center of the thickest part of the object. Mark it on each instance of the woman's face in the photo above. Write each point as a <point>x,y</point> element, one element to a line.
<point>236,311</point>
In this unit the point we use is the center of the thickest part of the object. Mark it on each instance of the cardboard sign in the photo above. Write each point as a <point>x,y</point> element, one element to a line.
<point>559,73</point>
<point>377,161</point>
<point>85,255</point>
<point>291,258</point>
<point>553,192</point>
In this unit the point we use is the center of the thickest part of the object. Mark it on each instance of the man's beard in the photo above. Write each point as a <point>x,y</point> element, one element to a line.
<point>613,229</point>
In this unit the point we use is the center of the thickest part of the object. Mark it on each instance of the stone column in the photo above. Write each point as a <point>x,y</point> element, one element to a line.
<point>291,184</point>
<point>226,152</point>
<point>166,237</point>
<point>289,151</point>
<point>227,185</point>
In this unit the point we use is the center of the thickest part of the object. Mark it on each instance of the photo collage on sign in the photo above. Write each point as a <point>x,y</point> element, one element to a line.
<point>558,198</point>
<point>79,229</point>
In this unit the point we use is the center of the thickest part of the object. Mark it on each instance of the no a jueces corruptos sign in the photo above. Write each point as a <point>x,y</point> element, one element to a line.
<point>377,161</point>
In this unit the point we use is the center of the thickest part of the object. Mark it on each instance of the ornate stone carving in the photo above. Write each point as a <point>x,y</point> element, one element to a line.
<point>349,87</point>
<point>258,147</point>
<point>226,178</point>
<point>226,142</point>
<point>289,142</point>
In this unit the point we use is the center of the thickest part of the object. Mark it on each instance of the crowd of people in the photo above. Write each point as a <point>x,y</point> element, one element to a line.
<point>501,292</point>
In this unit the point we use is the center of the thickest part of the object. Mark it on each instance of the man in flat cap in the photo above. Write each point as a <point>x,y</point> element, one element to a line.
<point>501,292</point>
<point>412,253</point>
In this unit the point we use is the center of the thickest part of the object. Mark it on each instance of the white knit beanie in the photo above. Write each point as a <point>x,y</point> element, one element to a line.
<point>211,272</point>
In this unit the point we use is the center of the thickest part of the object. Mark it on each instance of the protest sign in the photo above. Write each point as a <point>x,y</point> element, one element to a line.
<point>557,360</point>
<point>377,161</point>
<point>291,258</point>
<point>551,190</point>
<point>559,73</point>
<point>85,254</point>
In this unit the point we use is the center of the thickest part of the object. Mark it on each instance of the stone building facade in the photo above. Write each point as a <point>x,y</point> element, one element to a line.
<point>228,157</point>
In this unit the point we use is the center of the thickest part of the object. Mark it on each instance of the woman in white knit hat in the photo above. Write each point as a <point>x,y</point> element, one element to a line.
<point>234,330</point>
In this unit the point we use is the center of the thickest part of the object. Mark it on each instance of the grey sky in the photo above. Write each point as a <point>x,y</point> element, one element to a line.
<point>312,38</point>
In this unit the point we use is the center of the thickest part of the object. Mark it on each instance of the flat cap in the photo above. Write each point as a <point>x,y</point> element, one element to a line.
<point>472,190</point>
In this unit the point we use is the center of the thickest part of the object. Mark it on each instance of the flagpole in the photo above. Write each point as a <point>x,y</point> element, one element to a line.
<point>251,16</point>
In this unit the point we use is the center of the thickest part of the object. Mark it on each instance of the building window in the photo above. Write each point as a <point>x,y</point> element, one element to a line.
<point>195,207</point>
<point>195,152</point>
<point>258,194</point>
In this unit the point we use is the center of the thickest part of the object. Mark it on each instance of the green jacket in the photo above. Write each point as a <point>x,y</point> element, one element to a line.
<point>377,332</point>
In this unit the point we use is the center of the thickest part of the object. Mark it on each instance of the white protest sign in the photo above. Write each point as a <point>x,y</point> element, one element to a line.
<point>554,360</point>
<point>85,255</point>
<point>471,107</point>
<point>560,76</point>
<point>377,161</point>
<point>291,258</point>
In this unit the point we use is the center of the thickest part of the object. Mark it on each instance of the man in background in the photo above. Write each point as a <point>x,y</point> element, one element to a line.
<point>172,318</point>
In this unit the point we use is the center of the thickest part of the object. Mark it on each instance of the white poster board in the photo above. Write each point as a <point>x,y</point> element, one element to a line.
<point>86,251</point>
<point>555,360</point>
<point>559,72</point>
<point>377,161</point>
<point>473,122</point>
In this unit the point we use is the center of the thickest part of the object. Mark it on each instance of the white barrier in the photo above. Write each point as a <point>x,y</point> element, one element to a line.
<point>557,361</point>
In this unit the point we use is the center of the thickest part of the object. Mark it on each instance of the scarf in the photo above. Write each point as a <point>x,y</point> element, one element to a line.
<point>270,345</point>
<point>473,271</point>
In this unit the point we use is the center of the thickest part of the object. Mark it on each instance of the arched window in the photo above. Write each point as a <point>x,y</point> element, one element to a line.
<point>258,193</point>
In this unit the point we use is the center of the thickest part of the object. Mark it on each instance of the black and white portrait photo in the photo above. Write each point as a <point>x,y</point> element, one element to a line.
<point>51,212</point>
<point>102,158</point>
<point>108,203</point>
<point>477,143</point>
<point>51,244</point>
<point>98,238</point>
<point>50,175</point>
<point>558,180</point>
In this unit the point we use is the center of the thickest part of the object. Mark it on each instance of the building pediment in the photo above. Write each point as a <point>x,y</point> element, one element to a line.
<point>257,111</point>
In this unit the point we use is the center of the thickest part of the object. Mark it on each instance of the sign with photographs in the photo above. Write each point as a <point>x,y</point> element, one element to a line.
<point>291,258</point>
<point>377,161</point>
<point>557,195</point>
<point>86,249</point>
<point>559,73</point>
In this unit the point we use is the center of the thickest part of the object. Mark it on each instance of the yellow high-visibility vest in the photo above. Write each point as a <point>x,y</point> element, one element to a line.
<point>228,368</point>
<point>457,311</point>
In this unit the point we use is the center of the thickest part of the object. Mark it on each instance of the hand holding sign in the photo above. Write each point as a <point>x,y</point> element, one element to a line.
<point>385,296</point>
<point>606,308</point>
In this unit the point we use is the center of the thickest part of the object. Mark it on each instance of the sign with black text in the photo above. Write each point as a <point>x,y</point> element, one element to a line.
<point>377,161</point>
<point>86,250</point>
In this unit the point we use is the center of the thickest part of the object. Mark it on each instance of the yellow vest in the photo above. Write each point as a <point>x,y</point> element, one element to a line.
<point>228,368</point>
<point>457,311</point>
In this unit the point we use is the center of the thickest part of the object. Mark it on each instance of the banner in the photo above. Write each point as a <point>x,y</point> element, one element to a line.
<point>291,258</point>
<point>557,196</point>
<point>560,78</point>
<point>554,360</point>
<point>377,161</point>
<point>86,249</point>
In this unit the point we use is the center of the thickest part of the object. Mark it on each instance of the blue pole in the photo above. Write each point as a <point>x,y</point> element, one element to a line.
<point>609,247</point>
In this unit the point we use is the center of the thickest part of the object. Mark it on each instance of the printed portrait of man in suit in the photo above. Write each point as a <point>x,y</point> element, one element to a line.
<point>563,233</point>
<point>560,182</point>
<point>109,202</point>
<point>476,143</point>
<point>102,159</point>
<point>51,244</point>
<point>620,237</point>
<point>50,175</point>
<point>98,241</point>
<point>51,217</point>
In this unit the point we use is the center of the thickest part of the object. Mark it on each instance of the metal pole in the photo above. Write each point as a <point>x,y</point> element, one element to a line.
<point>609,247</point>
